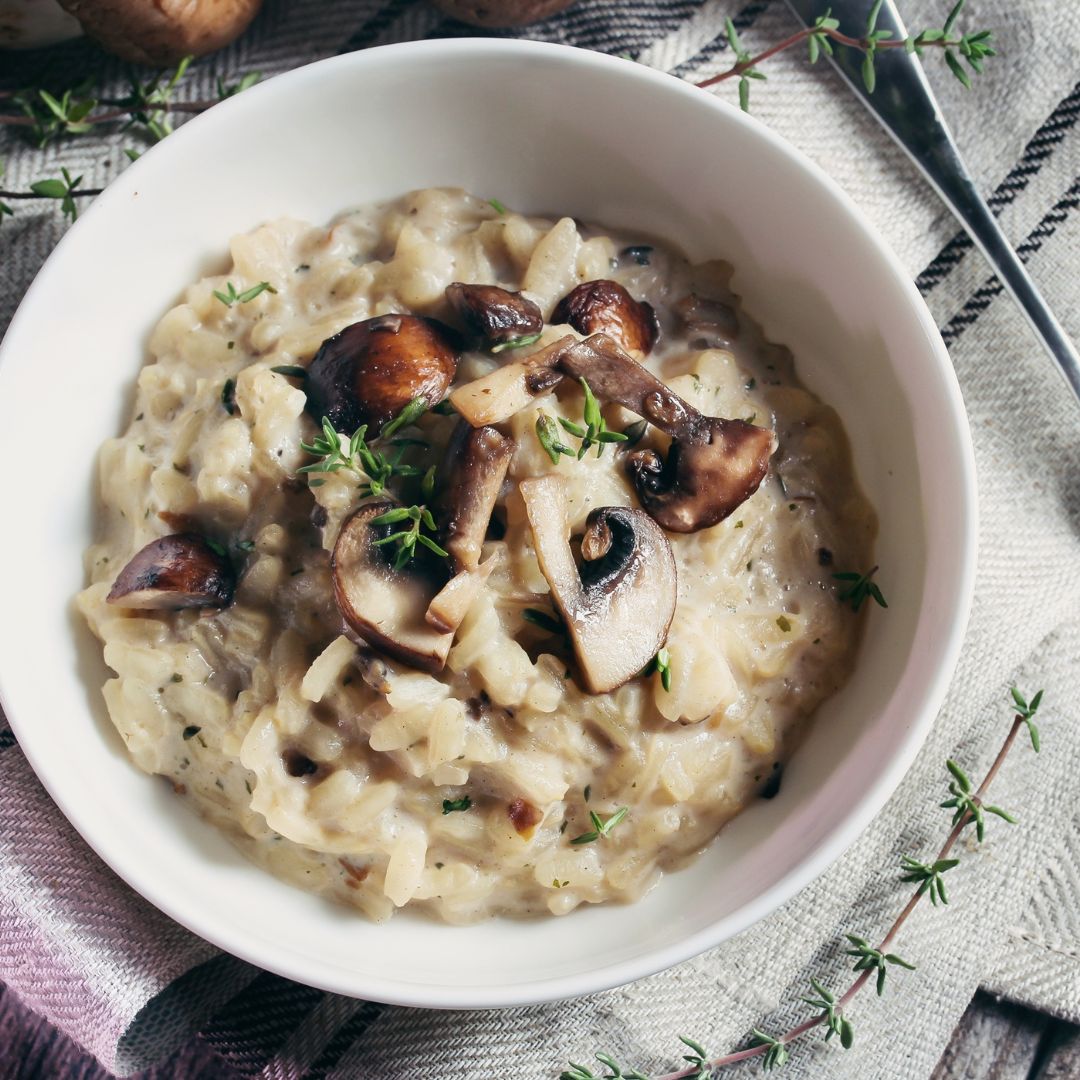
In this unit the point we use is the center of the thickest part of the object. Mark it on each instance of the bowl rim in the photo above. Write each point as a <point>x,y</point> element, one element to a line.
<point>234,938</point>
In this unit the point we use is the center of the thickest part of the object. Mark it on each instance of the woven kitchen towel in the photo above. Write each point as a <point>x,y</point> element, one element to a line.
<point>102,964</point>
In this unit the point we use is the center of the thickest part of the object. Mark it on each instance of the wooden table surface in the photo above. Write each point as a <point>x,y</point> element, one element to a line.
<point>993,1041</point>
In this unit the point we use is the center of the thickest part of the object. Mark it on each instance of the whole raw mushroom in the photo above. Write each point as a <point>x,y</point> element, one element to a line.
<point>162,33</point>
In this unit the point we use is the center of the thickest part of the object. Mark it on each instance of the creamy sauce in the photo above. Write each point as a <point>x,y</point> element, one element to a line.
<point>333,768</point>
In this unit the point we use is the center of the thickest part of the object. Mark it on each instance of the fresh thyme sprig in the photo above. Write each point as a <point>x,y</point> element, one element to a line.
<point>517,343</point>
<point>871,961</point>
<point>230,296</point>
<point>858,588</point>
<point>65,189</point>
<point>419,518</point>
<point>974,48</point>
<point>583,1072</point>
<point>1027,712</point>
<point>547,431</point>
<point>661,662</point>
<point>600,827</point>
<point>78,110</point>
<point>596,431</point>
<point>834,1020</point>
<point>928,875</point>
<point>968,805</point>
<point>774,1050</point>
<point>337,453</point>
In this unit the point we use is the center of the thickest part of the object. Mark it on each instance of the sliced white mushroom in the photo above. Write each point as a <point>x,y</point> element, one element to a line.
<point>477,462</point>
<point>618,605</point>
<point>382,605</point>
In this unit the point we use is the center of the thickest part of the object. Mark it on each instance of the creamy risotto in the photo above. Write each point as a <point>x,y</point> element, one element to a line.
<point>471,561</point>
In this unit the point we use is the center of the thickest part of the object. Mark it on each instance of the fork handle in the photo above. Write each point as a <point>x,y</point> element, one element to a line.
<point>906,107</point>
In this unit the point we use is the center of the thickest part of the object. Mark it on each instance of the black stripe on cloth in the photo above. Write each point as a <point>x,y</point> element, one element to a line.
<point>611,26</point>
<point>742,20</point>
<point>376,24</point>
<point>1037,152</point>
<point>7,738</point>
<point>255,1024</point>
<point>982,298</point>
<point>346,1035</point>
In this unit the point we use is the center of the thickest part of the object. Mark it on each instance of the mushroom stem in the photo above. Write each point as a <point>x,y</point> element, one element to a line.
<point>479,459</point>
<point>495,397</point>
<point>614,375</point>
<point>713,464</point>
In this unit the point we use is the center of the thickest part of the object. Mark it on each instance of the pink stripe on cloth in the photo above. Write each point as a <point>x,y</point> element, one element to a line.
<point>76,944</point>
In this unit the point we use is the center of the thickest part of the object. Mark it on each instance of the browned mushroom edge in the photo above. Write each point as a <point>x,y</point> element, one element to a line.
<point>182,570</point>
<point>710,324</point>
<point>605,307</point>
<point>499,316</point>
<point>368,372</point>
<point>713,464</point>
<point>619,604</point>
<point>382,605</point>
<point>477,462</point>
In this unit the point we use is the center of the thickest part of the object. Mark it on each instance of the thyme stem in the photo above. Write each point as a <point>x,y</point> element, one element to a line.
<point>816,1021</point>
<point>862,44</point>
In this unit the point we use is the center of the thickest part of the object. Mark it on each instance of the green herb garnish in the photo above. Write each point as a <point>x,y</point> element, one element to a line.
<point>230,296</point>
<point>294,371</point>
<point>859,587</point>
<point>336,453</point>
<point>600,827</point>
<point>517,343</point>
<point>450,805</point>
<point>497,206</point>
<point>595,432</point>
<point>419,518</point>
<point>547,431</point>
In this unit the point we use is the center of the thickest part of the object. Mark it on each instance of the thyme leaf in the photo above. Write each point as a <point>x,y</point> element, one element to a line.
<point>600,827</point>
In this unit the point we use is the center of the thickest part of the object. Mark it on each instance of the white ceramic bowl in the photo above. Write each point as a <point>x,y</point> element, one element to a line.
<point>543,128</point>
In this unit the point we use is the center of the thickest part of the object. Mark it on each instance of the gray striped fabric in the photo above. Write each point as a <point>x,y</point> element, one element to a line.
<point>129,985</point>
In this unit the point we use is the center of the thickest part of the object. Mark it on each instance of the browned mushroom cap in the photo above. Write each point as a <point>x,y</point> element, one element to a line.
<point>382,605</point>
<point>713,464</point>
<point>370,371</point>
<point>605,307</point>
<point>499,316</point>
<point>495,397</point>
<point>618,606</point>
<point>478,459</point>
<point>177,571</point>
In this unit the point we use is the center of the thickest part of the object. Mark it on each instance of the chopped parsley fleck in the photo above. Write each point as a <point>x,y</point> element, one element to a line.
<point>191,731</point>
<point>450,805</point>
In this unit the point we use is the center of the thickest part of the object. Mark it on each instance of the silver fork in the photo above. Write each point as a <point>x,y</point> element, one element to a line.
<point>906,107</point>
